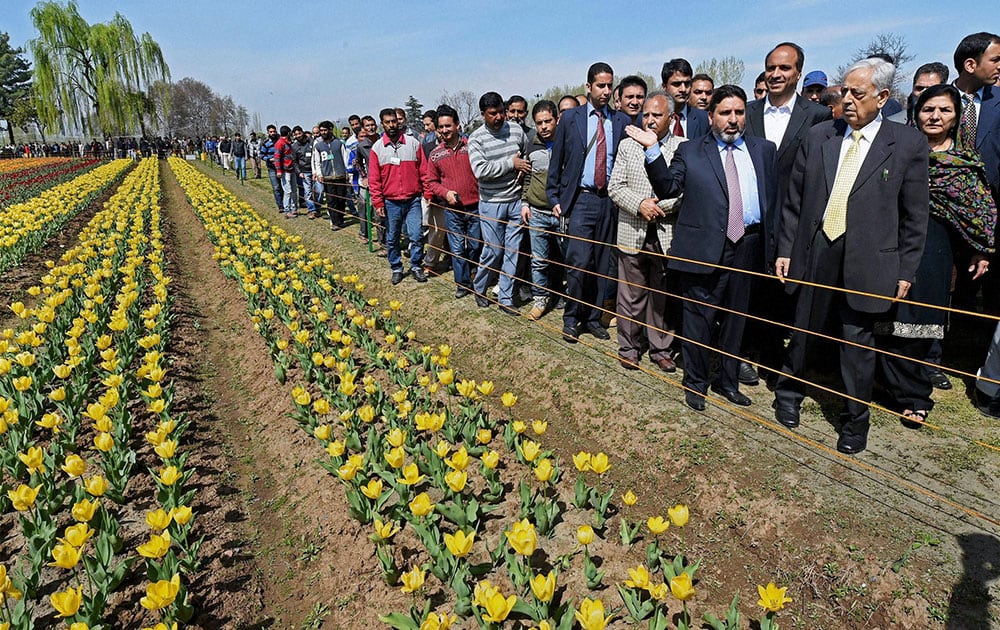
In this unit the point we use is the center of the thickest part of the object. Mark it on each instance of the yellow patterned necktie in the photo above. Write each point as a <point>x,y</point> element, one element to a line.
<point>835,219</point>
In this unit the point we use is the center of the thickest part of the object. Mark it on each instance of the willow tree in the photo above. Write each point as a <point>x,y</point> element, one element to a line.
<point>87,75</point>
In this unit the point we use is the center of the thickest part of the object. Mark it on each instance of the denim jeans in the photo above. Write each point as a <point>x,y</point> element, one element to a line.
<point>290,203</point>
<point>546,253</point>
<point>276,188</point>
<point>464,242</point>
<point>400,213</point>
<point>501,227</point>
<point>307,187</point>
<point>240,165</point>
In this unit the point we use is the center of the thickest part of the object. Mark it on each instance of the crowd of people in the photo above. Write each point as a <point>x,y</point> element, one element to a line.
<point>614,202</point>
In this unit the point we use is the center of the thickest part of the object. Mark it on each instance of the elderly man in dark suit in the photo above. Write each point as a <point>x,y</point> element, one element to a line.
<point>783,117</point>
<point>729,186</point>
<point>583,154</point>
<point>855,217</point>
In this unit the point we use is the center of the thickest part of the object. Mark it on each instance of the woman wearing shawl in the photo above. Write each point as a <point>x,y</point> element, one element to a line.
<point>959,234</point>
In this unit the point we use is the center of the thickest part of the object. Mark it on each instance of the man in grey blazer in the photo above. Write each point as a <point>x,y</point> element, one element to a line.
<point>855,217</point>
<point>645,227</point>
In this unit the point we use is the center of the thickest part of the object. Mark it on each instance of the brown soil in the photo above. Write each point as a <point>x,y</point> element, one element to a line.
<point>284,553</point>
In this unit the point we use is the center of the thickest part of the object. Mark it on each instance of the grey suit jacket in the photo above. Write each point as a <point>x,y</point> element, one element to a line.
<point>628,187</point>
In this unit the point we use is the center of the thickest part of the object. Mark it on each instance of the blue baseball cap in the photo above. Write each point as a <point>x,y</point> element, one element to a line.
<point>816,77</point>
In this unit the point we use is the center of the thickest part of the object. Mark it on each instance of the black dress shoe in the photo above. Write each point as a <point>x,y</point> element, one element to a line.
<point>734,396</point>
<point>986,405</point>
<point>571,334</point>
<point>851,446</point>
<point>482,302</point>
<point>597,331</point>
<point>787,416</point>
<point>509,310</point>
<point>695,401</point>
<point>419,274</point>
<point>460,292</point>
<point>747,375</point>
<point>937,378</point>
<point>397,277</point>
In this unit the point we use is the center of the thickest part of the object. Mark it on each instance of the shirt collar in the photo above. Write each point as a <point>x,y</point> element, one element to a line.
<point>783,109</point>
<point>591,109</point>
<point>868,131</point>
<point>738,145</point>
<point>386,141</point>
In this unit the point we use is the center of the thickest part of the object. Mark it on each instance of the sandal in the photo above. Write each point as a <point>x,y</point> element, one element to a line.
<point>914,419</point>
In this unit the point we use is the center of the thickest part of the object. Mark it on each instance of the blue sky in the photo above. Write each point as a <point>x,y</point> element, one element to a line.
<point>300,62</point>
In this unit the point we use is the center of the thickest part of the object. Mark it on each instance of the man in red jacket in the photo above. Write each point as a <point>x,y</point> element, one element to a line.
<point>284,166</point>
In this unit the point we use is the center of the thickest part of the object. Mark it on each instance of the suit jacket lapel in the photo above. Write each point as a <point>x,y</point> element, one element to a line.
<point>711,148</point>
<point>879,152</point>
<point>757,157</point>
<point>581,125</point>
<point>831,154</point>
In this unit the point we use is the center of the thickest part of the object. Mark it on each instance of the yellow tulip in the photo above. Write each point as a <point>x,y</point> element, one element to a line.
<point>437,621</point>
<point>67,602</point>
<point>412,580</point>
<point>157,546</point>
<point>584,535</point>
<point>166,449</point>
<point>599,463</point>
<point>58,394</point>
<point>544,586</point>
<point>84,510</point>
<point>158,519</point>
<point>508,399</point>
<point>582,461</point>
<point>77,535</point>
<point>490,459</point>
<point>530,450</point>
<point>629,498</point>
<point>421,505</point>
<point>772,598</point>
<point>22,383</point>
<point>74,466</point>
<point>497,607</point>
<point>466,388</point>
<point>33,460</point>
<point>322,432</point>
<point>678,515</point>
<point>442,448</point>
<point>483,436</point>
<point>659,591</point>
<point>372,489</point>
<point>169,475</point>
<point>681,587</point>
<point>104,442</point>
<point>65,556</point>
<point>181,514</point>
<point>446,377</point>
<point>336,448</point>
<point>544,470</point>
<point>657,525</point>
<point>79,625</point>
<point>485,388</point>
<point>321,406</point>
<point>431,422</point>
<point>395,456</point>
<point>591,615</point>
<point>539,427</point>
<point>387,530</point>
<point>459,544</point>
<point>7,586</point>
<point>23,497</point>
<point>638,577</point>
<point>456,480</point>
<point>460,459</point>
<point>161,594</point>
<point>366,413</point>
<point>522,537</point>
<point>518,426</point>
<point>411,475</point>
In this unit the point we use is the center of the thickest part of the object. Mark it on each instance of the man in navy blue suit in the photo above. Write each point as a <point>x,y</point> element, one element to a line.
<point>583,153</point>
<point>977,60</point>
<point>689,122</point>
<point>729,183</point>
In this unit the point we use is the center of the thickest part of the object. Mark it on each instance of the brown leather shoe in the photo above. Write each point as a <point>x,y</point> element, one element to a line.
<point>628,364</point>
<point>666,364</point>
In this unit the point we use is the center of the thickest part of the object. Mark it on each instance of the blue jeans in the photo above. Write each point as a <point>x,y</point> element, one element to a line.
<point>276,188</point>
<point>464,242</point>
<point>399,213</point>
<point>502,232</point>
<point>546,249</point>
<point>306,179</point>
<point>240,165</point>
<point>290,203</point>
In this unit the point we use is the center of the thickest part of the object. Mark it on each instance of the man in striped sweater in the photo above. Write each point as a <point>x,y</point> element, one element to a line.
<point>394,171</point>
<point>496,153</point>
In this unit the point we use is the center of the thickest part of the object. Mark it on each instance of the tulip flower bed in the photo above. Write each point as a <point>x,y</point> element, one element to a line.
<point>466,507</point>
<point>87,433</point>
<point>19,164</point>
<point>23,184</point>
<point>25,226</point>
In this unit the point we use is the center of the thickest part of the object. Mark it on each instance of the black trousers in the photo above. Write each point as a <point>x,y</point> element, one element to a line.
<point>717,288</point>
<point>335,198</point>
<point>592,219</point>
<point>815,310</point>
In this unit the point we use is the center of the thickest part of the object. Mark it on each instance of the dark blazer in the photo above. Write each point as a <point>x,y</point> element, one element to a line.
<point>697,121</point>
<point>805,114</point>
<point>886,211</point>
<point>697,172</point>
<point>569,151</point>
<point>988,137</point>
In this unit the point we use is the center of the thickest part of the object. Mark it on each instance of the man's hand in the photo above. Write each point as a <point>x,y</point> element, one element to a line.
<point>556,211</point>
<point>525,213</point>
<point>978,266</point>
<point>645,138</point>
<point>380,211</point>
<point>902,289</point>
<point>452,197</point>
<point>522,165</point>
<point>650,211</point>
<point>781,268</point>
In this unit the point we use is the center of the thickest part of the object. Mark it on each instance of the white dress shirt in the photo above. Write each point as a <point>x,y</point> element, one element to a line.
<point>868,133</point>
<point>776,119</point>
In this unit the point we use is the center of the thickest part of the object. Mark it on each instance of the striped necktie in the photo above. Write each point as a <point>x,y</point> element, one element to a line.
<point>969,121</point>
<point>835,219</point>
